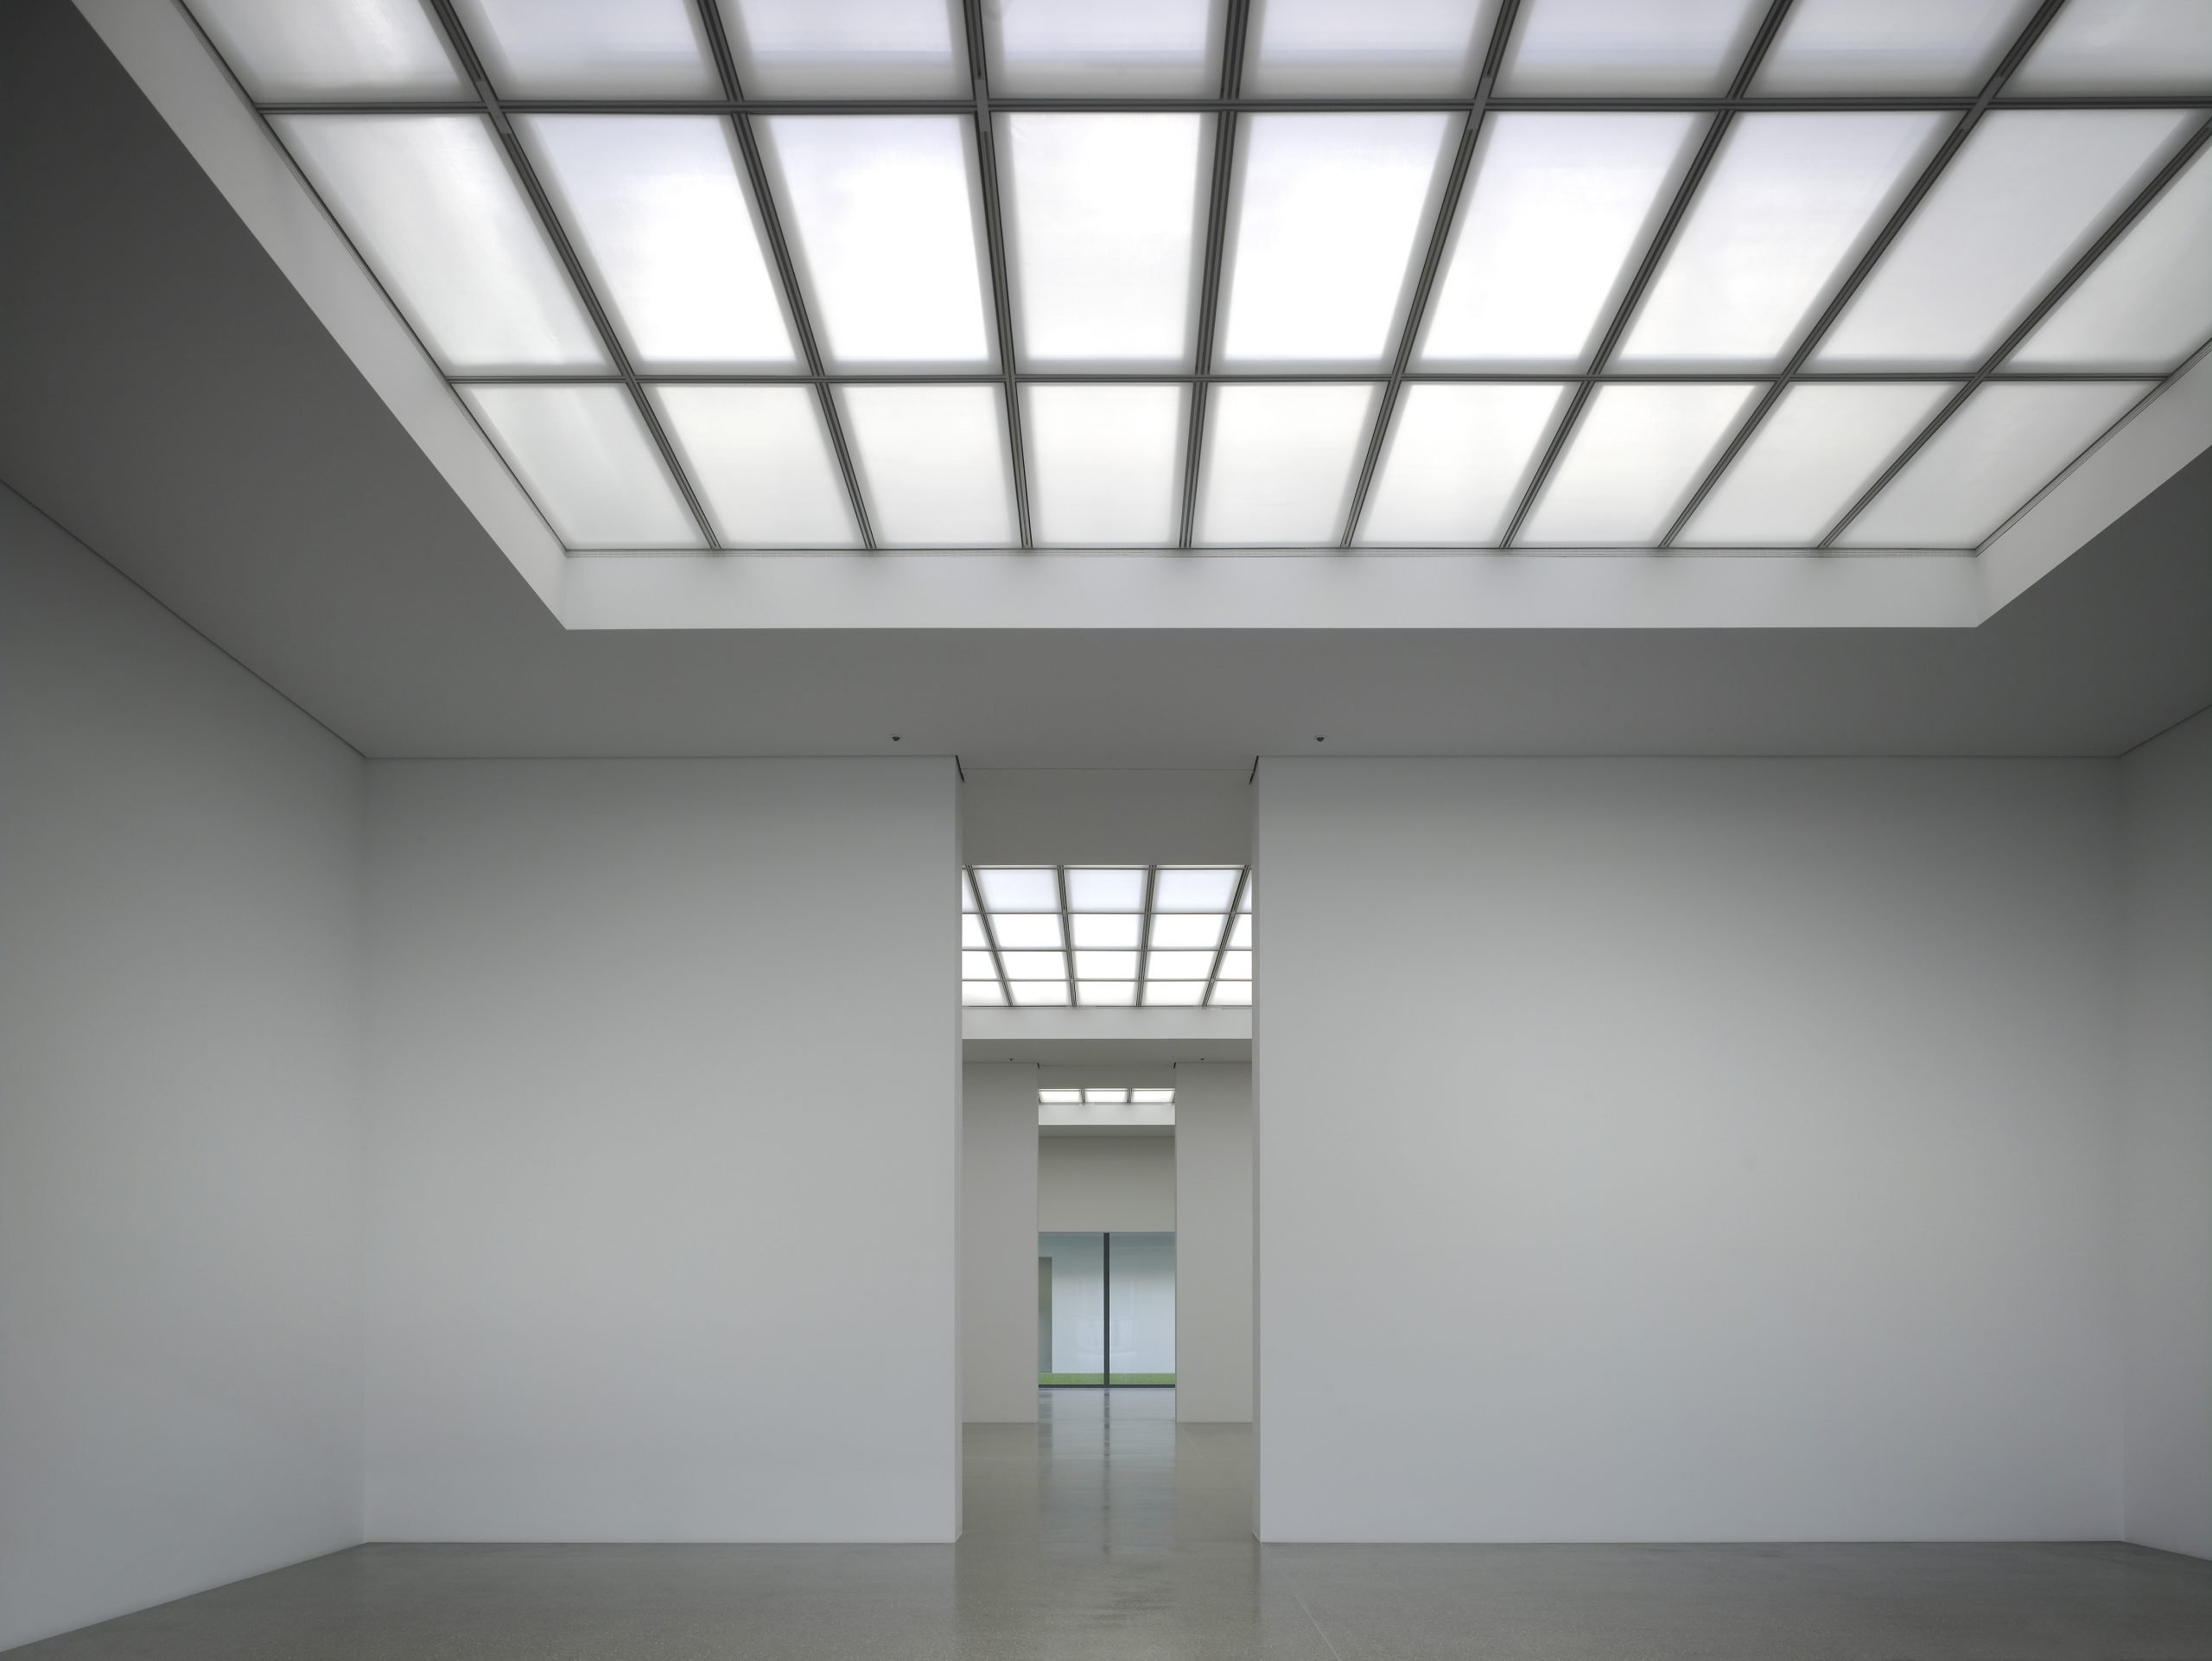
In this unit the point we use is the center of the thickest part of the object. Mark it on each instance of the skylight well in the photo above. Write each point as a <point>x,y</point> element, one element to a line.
<point>1229,276</point>
<point>1106,937</point>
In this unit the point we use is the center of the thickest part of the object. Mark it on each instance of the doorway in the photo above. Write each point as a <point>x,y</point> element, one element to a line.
<point>1106,1310</point>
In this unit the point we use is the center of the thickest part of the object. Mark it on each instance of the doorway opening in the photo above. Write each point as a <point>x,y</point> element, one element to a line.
<point>1106,1310</point>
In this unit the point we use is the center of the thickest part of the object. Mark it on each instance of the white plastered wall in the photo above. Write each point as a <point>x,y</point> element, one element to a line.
<point>998,1243</point>
<point>1213,1242</point>
<point>1089,1184</point>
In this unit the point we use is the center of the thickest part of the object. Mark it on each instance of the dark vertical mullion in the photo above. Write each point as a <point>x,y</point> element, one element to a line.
<point>1225,156</point>
<point>1144,932</point>
<point>1106,1294</point>
<point>1067,929</point>
<point>1000,273</point>
<point>1213,974</point>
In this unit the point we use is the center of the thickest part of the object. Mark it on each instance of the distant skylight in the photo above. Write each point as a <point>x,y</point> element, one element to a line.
<point>1106,936</point>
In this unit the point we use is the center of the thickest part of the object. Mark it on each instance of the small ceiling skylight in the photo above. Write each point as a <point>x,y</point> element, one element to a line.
<point>1128,48</point>
<point>1142,935</point>
<point>1456,461</point>
<point>584,453</point>
<point>1633,461</point>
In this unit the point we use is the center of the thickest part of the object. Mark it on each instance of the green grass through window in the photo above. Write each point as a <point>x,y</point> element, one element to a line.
<point>1047,1379</point>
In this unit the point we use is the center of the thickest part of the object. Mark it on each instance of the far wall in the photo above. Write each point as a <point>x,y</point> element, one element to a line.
<point>1098,1184</point>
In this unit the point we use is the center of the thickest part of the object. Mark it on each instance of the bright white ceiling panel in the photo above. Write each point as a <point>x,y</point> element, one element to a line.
<point>1194,887</point>
<point>1105,463</point>
<point>1874,47</point>
<point>883,217</point>
<point>1228,993</point>
<point>1557,209</point>
<point>588,49</point>
<point>1790,201</point>
<point>1818,448</point>
<point>1633,457</point>
<point>982,993</point>
<point>760,458</point>
<point>1034,965</point>
<point>972,935</point>
<point>1186,931</point>
<point>1105,993</point>
<point>285,50</point>
<point>1018,931</point>
<point>1405,48</point>
<point>1280,461</point>
<point>1102,215</point>
<point>2147,302</point>
<point>978,965</point>
<point>1106,888</point>
<point>1240,932</point>
<point>1127,48</point>
<point>1107,931</point>
<point>1326,212</point>
<point>1177,965</point>
<point>658,208</point>
<point>847,49</point>
<point>1455,462</point>
<point>2122,46</point>
<point>933,465</point>
<point>438,214</point>
<point>1236,966</point>
<point>1018,888</point>
<point>1599,47</point>
<point>2028,190</point>
<point>1106,965</point>
<point>2006,442</point>
<point>585,456</point>
<point>1039,994</point>
<point>1170,992</point>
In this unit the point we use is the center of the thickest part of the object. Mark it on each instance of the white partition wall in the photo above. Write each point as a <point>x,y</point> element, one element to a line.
<point>1213,1242</point>
<point>1688,1150</point>
<point>663,1151</point>
<point>998,1243</point>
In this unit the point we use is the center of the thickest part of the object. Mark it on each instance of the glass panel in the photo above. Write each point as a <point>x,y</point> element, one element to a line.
<point>932,462</point>
<point>1071,1310</point>
<point>1557,210</point>
<point>860,49</point>
<point>577,49</point>
<point>436,211</point>
<point>1638,453</point>
<point>1039,994</point>
<point>1020,888</point>
<point>882,215</point>
<point>1194,887</point>
<point>1791,203</point>
<point>1166,994</point>
<point>2006,441</point>
<point>1455,462</point>
<point>1106,965</point>
<point>1323,221</point>
<point>1128,47</point>
<point>1058,1097</point>
<point>1240,932</point>
<point>1236,993</point>
<point>2147,302</point>
<point>658,210</point>
<point>1104,1095</point>
<point>1245,901</point>
<point>760,457</point>
<point>1627,46</point>
<point>1236,966</point>
<point>2122,46</point>
<point>1187,929</point>
<point>1818,448</point>
<point>977,966</point>
<point>967,893</point>
<point>1148,1096</point>
<point>1111,932</point>
<point>1402,48</point>
<point>2027,191</point>
<point>1103,213</point>
<point>1279,462</point>
<point>1177,965</point>
<point>1878,47</point>
<point>1140,1309</point>
<point>1027,931</point>
<point>981,992</point>
<point>1105,993</point>
<point>971,931</point>
<point>1105,464</point>
<point>585,456</point>
<point>341,48</point>
<point>1107,887</point>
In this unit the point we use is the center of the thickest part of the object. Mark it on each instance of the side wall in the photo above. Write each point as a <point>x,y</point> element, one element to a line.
<point>2166,1091</point>
<point>180,939</point>
<point>998,1243</point>
<point>663,1151</point>
<point>1213,1242</point>
<point>1103,1184</point>
<point>1685,1150</point>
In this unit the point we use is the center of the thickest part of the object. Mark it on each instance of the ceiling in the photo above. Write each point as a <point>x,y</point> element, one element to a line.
<point>167,397</point>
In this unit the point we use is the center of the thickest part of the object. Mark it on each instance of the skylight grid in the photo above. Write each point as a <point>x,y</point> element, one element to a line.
<point>1106,937</point>
<point>1238,275</point>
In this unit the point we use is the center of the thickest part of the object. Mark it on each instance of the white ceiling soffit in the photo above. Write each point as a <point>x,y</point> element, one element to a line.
<point>1967,213</point>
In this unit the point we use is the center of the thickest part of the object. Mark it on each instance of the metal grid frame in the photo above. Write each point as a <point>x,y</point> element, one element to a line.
<point>740,111</point>
<point>1237,902</point>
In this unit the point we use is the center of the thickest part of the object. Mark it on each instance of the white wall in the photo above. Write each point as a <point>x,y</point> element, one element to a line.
<point>2166,1092</point>
<point>1101,1184</point>
<point>1213,1242</point>
<point>998,1244</point>
<point>1688,1150</point>
<point>663,1151</point>
<point>180,909</point>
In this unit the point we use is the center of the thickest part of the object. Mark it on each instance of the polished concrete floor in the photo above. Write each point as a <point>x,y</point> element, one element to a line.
<point>1110,1531</point>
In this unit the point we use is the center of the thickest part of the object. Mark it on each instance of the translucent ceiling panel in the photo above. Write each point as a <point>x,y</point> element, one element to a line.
<point>586,458</point>
<point>1280,461</point>
<point>932,460</point>
<point>1228,993</point>
<point>883,219</point>
<point>1106,888</point>
<point>1455,462</point>
<point>1636,454</point>
<point>1819,446</point>
<point>1387,47</point>
<point>1105,993</point>
<point>1102,217</point>
<point>433,206</point>
<point>1153,47</point>
<point>1107,931</point>
<point>1789,204</point>
<point>1877,47</point>
<point>659,209</point>
<point>760,458</point>
<point>1613,47</point>
<point>981,992</point>
<point>2005,443</point>
<point>1020,888</point>
<point>588,49</point>
<point>339,49</point>
<point>1558,208</point>
<point>1027,931</point>
<point>1159,993</point>
<point>1327,213</point>
<point>1195,888</point>
<point>2147,302</point>
<point>853,48</point>
<point>1038,994</point>
<point>1105,464</point>
<point>2028,190</point>
<point>2122,46</point>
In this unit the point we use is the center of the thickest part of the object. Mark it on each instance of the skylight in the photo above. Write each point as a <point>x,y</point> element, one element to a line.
<point>1106,937</point>
<point>1234,274</point>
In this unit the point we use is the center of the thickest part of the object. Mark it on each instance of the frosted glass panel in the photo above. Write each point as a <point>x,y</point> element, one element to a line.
<point>2122,46</point>
<point>1279,462</point>
<point>1455,462</point>
<point>1105,464</point>
<point>1154,48</point>
<point>1194,887</point>
<point>433,206</point>
<point>588,49</point>
<point>1187,931</point>
<point>861,48</point>
<point>1387,47</point>
<point>282,49</point>
<point>760,457</point>
<point>1636,455</point>
<point>1600,46</point>
<point>1875,46</point>
<point>1020,888</point>
<point>933,465</point>
<point>1141,1275</point>
<point>1106,888</point>
<point>2008,441</point>
<point>1027,931</point>
<point>585,456</point>
<point>1040,994</point>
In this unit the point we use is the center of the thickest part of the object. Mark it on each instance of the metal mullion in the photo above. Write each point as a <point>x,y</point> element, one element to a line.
<point>990,938</point>
<point>1002,274</point>
<point>1290,377</point>
<point>1225,156</point>
<point>1067,929</point>
<point>1653,257</point>
<point>1144,932</point>
<point>1243,876</point>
